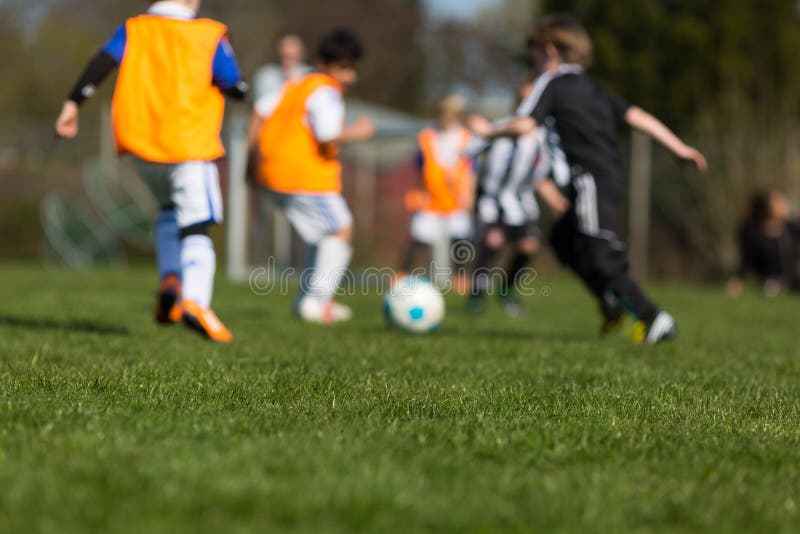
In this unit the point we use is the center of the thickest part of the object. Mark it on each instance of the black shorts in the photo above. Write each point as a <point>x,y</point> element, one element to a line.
<point>602,256</point>
<point>586,238</point>
<point>514,233</point>
<point>597,204</point>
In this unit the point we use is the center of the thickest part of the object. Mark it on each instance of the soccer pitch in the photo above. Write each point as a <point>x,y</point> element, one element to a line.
<point>109,423</point>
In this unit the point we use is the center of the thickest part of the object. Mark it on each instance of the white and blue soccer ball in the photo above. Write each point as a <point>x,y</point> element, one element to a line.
<point>414,304</point>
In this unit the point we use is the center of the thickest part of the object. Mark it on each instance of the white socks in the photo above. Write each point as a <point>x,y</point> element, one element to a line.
<point>168,245</point>
<point>192,259</point>
<point>199,264</point>
<point>333,257</point>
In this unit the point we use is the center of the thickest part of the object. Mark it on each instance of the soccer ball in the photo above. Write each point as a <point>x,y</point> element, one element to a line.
<point>414,304</point>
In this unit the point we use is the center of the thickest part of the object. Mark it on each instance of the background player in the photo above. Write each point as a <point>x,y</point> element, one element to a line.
<point>769,245</point>
<point>269,80</point>
<point>442,209</point>
<point>269,83</point>
<point>167,111</point>
<point>587,238</point>
<point>267,89</point>
<point>508,212</point>
<point>297,161</point>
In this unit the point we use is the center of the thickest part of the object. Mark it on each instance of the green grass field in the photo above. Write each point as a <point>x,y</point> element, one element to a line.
<point>111,424</point>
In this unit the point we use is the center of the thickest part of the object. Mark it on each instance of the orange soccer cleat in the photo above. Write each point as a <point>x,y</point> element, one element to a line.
<point>205,322</point>
<point>168,306</point>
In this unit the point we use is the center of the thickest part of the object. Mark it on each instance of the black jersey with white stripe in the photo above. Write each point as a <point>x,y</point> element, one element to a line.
<point>587,120</point>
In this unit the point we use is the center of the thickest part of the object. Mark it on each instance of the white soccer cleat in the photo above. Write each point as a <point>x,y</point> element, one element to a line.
<point>662,329</point>
<point>323,311</point>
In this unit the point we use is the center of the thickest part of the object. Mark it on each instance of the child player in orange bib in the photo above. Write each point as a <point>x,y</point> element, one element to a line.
<point>442,211</point>
<point>297,161</point>
<point>169,102</point>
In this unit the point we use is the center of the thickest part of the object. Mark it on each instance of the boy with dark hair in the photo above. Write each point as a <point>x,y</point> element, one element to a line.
<point>174,70</point>
<point>296,153</point>
<point>587,119</point>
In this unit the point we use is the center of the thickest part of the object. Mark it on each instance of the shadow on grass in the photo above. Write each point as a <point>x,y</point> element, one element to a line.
<point>43,323</point>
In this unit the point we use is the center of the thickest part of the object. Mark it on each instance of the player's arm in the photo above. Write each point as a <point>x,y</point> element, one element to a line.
<point>362,129</point>
<point>326,115</point>
<point>227,75</point>
<point>556,202</point>
<point>253,155</point>
<point>643,121</point>
<point>513,127</point>
<point>524,123</point>
<point>99,68</point>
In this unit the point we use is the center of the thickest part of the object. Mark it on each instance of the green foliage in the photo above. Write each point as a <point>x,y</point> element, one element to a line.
<point>10,38</point>
<point>725,75</point>
<point>111,424</point>
<point>682,58</point>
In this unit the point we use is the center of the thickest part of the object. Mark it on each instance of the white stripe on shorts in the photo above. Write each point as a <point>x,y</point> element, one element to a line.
<point>586,205</point>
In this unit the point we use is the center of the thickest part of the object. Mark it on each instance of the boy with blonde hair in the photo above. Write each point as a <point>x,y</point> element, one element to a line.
<point>586,118</point>
<point>442,207</point>
<point>296,150</point>
<point>168,107</point>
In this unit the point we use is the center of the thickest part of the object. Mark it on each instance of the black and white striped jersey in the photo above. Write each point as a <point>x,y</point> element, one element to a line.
<point>509,172</point>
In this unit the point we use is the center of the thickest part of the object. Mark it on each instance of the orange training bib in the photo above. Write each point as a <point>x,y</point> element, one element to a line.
<point>447,189</point>
<point>292,160</point>
<point>165,108</point>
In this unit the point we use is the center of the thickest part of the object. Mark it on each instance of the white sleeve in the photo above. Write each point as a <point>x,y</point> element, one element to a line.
<point>266,105</point>
<point>325,109</point>
<point>267,81</point>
